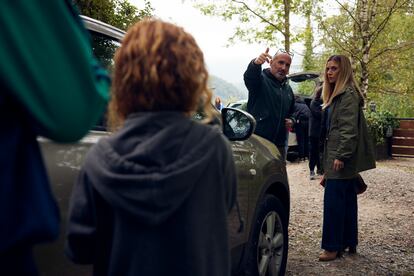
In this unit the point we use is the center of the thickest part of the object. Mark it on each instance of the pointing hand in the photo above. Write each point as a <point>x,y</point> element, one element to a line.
<point>264,57</point>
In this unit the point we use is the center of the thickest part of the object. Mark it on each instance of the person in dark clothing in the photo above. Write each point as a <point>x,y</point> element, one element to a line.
<point>153,198</point>
<point>315,134</point>
<point>51,86</point>
<point>271,99</point>
<point>301,115</point>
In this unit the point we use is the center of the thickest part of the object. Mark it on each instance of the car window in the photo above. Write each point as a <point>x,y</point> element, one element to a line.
<point>305,88</point>
<point>104,48</point>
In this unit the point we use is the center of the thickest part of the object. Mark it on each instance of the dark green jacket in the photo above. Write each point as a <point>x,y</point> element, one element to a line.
<point>347,137</point>
<point>47,67</point>
<point>51,85</point>
<point>270,102</point>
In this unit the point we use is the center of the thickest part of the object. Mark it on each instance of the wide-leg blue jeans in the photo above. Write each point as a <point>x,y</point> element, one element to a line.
<point>340,215</point>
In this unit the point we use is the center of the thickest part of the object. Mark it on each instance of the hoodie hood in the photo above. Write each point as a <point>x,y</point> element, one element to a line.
<point>149,168</point>
<point>273,78</point>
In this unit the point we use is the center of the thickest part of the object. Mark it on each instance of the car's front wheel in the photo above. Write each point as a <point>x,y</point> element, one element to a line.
<point>268,246</point>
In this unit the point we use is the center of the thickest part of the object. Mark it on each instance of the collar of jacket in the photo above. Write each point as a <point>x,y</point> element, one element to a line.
<point>346,88</point>
<point>272,77</point>
<point>349,89</point>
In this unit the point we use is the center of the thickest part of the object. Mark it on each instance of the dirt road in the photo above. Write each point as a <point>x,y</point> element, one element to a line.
<point>386,223</point>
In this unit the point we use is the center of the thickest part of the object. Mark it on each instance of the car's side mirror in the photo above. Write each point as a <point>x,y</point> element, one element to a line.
<point>237,124</point>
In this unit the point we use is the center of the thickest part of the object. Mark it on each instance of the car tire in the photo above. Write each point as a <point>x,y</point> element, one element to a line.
<point>267,249</point>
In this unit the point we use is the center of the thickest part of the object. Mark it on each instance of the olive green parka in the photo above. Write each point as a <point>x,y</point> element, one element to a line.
<point>347,137</point>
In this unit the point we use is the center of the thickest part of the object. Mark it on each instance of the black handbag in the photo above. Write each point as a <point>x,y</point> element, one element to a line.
<point>360,185</point>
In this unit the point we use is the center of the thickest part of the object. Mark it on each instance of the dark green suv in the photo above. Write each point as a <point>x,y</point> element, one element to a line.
<point>258,239</point>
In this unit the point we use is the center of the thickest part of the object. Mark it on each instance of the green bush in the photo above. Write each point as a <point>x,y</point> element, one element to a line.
<point>379,123</point>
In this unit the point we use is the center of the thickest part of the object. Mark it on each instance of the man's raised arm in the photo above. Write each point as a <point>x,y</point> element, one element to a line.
<point>254,69</point>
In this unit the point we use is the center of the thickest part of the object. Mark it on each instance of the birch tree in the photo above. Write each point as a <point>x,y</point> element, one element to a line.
<point>359,35</point>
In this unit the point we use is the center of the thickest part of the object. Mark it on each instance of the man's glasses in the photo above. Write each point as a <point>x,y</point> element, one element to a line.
<point>284,52</point>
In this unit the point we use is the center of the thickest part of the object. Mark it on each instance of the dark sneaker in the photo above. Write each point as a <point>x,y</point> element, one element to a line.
<point>312,176</point>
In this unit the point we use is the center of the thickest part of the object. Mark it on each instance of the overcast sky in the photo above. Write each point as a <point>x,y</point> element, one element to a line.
<point>211,34</point>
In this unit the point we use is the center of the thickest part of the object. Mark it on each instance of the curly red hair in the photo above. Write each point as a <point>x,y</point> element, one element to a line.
<point>159,67</point>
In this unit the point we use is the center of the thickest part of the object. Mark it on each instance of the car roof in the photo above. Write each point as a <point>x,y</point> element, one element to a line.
<point>303,76</point>
<point>241,101</point>
<point>101,27</point>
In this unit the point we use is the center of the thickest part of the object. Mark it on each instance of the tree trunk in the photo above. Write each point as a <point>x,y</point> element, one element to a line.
<point>354,43</point>
<point>365,19</point>
<point>287,24</point>
<point>308,62</point>
<point>364,77</point>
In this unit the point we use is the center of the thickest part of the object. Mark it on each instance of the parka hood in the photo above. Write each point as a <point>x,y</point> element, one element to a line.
<point>146,169</point>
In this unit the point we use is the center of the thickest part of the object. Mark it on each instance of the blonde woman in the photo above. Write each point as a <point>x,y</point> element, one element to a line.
<point>153,198</point>
<point>347,151</point>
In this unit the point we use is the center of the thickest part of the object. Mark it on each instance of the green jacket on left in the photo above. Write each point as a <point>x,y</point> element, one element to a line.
<point>347,137</point>
<point>48,68</point>
<point>51,85</point>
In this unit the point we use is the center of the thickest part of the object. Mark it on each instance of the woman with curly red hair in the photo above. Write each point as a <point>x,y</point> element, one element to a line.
<point>153,198</point>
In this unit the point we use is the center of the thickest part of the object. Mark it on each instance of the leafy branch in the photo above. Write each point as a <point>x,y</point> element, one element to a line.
<point>264,20</point>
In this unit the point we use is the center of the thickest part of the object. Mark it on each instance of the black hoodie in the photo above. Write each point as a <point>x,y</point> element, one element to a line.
<point>270,102</point>
<point>153,199</point>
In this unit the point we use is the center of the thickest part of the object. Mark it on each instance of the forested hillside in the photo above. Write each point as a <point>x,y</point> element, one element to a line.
<point>227,91</point>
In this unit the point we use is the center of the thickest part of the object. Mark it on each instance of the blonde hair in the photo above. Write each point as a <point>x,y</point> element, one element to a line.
<point>159,67</point>
<point>345,78</point>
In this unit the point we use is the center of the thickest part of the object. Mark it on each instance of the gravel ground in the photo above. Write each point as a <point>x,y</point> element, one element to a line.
<point>385,216</point>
